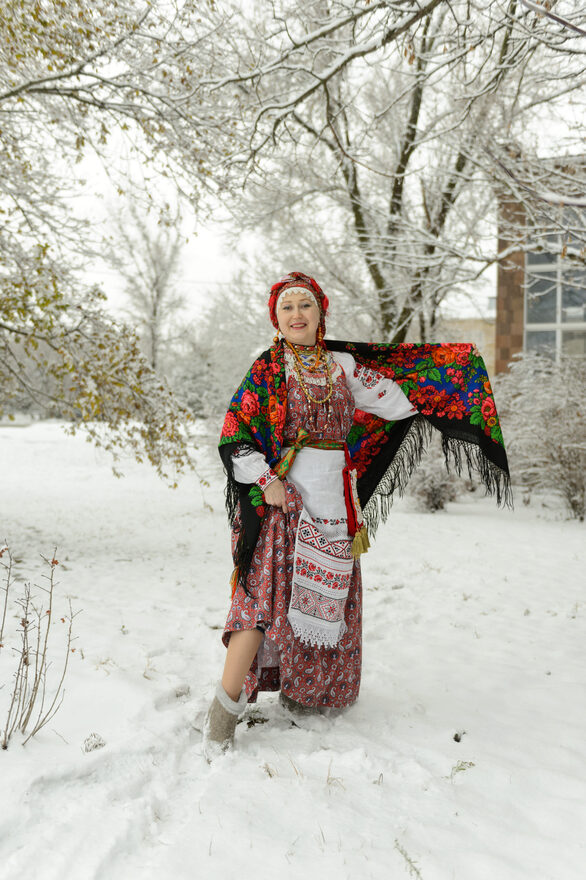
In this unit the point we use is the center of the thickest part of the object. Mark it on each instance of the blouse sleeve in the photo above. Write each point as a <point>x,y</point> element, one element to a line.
<point>373,392</point>
<point>251,467</point>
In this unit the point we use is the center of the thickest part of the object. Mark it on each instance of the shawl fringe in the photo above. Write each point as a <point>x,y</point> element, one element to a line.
<point>233,488</point>
<point>231,492</point>
<point>243,560</point>
<point>459,455</point>
<point>235,494</point>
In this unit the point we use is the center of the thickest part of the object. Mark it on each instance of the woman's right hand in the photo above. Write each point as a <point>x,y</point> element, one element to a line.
<point>275,495</point>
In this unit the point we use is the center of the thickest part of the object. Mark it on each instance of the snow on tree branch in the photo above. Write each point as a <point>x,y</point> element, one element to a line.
<point>542,9</point>
<point>359,146</point>
<point>552,198</point>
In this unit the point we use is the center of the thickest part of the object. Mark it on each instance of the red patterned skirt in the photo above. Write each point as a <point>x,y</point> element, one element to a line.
<point>312,676</point>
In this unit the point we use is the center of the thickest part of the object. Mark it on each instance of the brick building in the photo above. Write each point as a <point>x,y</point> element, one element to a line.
<point>541,294</point>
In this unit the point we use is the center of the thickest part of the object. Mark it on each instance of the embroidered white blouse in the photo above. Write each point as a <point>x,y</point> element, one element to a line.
<point>372,392</point>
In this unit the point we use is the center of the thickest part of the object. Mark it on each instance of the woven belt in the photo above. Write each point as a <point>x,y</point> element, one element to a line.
<point>356,527</point>
<point>302,440</point>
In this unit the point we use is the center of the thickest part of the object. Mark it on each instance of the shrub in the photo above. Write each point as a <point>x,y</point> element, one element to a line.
<point>543,410</point>
<point>432,485</point>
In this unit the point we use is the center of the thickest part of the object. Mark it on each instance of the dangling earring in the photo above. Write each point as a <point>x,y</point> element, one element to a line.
<point>320,336</point>
<point>276,338</point>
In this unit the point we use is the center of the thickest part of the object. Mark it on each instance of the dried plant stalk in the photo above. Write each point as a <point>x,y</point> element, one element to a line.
<point>7,584</point>
<point>27,709</point>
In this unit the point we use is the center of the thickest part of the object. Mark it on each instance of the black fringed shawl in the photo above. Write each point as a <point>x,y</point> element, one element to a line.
<point>446,383</point>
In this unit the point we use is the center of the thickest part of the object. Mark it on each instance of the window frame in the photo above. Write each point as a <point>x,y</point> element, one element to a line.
<point>555,270</point>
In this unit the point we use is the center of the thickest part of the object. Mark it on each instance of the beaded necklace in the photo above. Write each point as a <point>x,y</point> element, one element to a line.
<point>303,356</point>
<point>299,366</point>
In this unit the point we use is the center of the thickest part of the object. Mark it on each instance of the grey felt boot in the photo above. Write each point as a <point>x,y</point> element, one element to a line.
<point>220,723</point>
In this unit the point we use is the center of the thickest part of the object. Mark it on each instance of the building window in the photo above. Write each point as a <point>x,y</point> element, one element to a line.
<point>555,305</point>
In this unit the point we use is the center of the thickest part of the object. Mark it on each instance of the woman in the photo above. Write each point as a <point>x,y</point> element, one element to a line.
<point>314,430</point>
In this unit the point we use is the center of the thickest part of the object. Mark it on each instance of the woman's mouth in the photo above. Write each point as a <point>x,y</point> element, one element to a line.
<point>298,326</point>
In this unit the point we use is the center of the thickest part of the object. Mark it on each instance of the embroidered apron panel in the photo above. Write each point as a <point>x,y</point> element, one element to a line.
<point>322,575</point>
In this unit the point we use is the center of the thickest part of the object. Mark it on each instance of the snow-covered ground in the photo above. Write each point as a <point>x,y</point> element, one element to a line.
<point>474,624</point>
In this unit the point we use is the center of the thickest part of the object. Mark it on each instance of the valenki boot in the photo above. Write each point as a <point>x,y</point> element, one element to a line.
<point>220,723</point>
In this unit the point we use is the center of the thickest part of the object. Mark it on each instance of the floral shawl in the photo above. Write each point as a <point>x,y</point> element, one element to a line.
<point>446,383</point>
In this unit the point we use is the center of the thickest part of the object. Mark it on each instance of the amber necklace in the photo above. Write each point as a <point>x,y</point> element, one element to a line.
<point>315,350</point>
<point>299,367</point>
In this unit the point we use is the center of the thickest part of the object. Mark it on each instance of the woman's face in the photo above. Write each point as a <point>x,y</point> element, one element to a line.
<point>298,317</point>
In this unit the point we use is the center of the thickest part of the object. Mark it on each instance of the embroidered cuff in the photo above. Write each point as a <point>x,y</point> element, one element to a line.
<point>268,477</point>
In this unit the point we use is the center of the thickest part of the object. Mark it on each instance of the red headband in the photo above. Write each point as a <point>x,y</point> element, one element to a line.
<point>298,279</point>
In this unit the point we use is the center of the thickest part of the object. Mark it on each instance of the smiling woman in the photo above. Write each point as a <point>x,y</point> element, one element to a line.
<point>298,316</point>
<point>317,431</point>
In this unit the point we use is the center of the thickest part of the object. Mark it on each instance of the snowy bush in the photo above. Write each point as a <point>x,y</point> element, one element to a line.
<point>543,411</point>
<point>209,362</point>
<point>432,485</point>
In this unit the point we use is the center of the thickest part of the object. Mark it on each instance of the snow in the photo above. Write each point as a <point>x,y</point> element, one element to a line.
<point>474,624</point>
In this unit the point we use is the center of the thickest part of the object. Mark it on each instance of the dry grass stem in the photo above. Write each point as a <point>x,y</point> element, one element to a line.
<point>30,707</point>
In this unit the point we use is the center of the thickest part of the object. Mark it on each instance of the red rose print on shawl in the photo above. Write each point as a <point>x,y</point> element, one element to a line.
<point>249,403</point>
<point>230,425</point>
<point>488,408</point>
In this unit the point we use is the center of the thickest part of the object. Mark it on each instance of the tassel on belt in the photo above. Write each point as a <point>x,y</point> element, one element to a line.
<point>356,528</point>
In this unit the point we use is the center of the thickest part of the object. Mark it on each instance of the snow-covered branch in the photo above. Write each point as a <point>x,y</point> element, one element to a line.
<point>542,9</point>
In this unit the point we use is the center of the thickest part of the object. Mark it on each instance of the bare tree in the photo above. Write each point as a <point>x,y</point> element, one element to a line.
<point>213,355</point>
<point>148,257</point>
<point>375,135</point>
